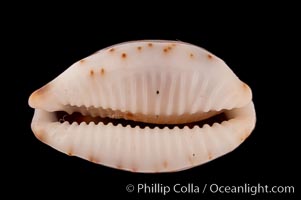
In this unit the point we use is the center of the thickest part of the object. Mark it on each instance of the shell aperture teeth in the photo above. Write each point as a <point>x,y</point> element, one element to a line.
<point>88,116</point>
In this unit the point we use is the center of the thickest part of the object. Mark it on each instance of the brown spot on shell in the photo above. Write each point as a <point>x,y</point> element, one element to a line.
<point>82,61</point>
<point>173,44</point>
<point>210,156</point>
<point>244,137</point>
<point>119,166</point>
<point>167,49</point>
<point>190,158</point>
<point>91,72</point>
<point>93,160</point>
<point>39,134</point>
<point>112,50</point>
<point>123,55</point>
<point>150,44</point>
<point>165,164</point>
<point>209,56</point>
<point>102,71</point>
<point>129,115</point>
<point>36,96</point>
<point>139,48</point>
<point>245,86</point>
<point>70,153</point>
<point>42,90</point>
<point>191,55</point>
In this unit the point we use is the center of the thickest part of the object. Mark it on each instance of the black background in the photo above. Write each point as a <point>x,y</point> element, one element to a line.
<point>253,48</point>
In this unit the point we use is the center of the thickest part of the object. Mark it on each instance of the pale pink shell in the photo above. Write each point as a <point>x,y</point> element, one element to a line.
<point>160,82</point>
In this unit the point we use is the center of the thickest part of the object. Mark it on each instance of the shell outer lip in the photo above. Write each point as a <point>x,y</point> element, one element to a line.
<point>48,131</point>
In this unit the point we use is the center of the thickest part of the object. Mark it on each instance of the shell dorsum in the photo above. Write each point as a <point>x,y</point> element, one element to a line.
<point>154,78</point>
<point>155,82</point>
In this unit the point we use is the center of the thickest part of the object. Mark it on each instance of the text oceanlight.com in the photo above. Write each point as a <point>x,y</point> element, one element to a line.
<point>192,188</point>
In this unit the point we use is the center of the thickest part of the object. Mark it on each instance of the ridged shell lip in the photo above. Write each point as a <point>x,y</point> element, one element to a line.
<point>219,139</point>
<point>82,114</point>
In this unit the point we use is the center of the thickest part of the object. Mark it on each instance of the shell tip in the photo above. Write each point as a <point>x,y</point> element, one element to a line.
<point>35,97</point>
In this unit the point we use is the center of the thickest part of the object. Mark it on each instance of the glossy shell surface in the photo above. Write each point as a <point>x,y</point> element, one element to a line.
<point>152,82</point>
